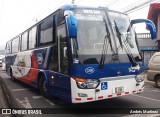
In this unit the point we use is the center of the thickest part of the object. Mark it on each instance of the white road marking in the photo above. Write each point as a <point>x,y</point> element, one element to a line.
<point>51,103</point>
<point>38,97</point>
<point>147,98</point>
<point>19,89</point>
<point>24,102</point>
<point>151,90</point>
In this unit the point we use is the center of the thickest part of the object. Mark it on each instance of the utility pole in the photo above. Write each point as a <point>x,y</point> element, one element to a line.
<point>73,1</point>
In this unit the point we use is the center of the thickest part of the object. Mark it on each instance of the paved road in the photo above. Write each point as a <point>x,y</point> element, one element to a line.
<point>25,96</point>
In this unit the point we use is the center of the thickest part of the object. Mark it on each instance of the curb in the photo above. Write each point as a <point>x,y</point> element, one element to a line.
<point>10,99</point>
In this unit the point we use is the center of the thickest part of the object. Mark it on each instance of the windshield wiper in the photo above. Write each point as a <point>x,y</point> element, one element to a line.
<point>127,50</point>
<point>104,51</point>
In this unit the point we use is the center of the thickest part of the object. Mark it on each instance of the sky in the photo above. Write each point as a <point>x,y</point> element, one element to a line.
<point>18,15</point>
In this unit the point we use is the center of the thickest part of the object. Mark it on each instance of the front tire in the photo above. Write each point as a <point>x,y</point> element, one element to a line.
<point>42,87</point>
<point>157,81</point>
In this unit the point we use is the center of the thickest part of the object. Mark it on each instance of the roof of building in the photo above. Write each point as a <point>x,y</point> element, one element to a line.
<point>153,12</point>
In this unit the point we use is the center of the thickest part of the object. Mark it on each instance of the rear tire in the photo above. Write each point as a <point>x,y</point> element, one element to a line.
<point>157,81</point>
<point>11,74</point>
<point>42,87</point>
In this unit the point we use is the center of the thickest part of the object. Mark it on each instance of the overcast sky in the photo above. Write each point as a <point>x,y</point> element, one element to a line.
<point>18,15</point>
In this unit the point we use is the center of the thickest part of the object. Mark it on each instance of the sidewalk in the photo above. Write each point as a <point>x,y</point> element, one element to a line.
<point>3,101</point>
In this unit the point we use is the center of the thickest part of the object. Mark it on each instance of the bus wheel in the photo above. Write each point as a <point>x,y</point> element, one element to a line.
<point>42,87</point>
<point>157,81</point>
<point>11,75</point>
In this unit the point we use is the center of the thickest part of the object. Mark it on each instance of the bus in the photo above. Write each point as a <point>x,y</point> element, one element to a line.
<point>79,54</point>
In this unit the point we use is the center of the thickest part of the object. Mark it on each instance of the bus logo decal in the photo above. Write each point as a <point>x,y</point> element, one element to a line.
<point>39,58</point>
<point>89,70</point>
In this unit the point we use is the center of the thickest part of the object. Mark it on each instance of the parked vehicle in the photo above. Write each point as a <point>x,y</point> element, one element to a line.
<point>153,73</point>
<point>0,60</point>
<point>1,56</point>
<point>3,63</point>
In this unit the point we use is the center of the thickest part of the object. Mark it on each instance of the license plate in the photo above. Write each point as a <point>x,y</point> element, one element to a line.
<point>119,89</point>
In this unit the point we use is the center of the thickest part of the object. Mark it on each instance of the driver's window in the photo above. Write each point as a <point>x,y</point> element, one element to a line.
<point>62,49</point>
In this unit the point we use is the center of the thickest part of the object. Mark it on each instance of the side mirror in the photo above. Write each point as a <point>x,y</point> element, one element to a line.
<point>149,24</point>
<point>71,24</point>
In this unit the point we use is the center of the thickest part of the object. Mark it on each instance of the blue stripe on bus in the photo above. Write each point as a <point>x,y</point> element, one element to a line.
<point>109,70</point>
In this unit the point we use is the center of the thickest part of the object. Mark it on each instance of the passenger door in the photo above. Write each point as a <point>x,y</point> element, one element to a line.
<point>62,49</point>
<point>62,79</point>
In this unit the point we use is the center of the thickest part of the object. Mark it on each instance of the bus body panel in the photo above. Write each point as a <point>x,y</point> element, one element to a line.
<point>109,70</point>
<point>27,65</point>
<point>59,85</point>
<point>114,79</point>
<point>107,88</point>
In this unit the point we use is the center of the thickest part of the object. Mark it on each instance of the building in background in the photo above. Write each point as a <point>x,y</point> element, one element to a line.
<point>147,46</point>
<point>154,15</point>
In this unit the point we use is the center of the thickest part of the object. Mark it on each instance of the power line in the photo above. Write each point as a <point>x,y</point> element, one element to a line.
<point>131,5</point>
<point>138,7</point>
<point>47,9</point>
<point>38,18</point>
<point>113,2</point>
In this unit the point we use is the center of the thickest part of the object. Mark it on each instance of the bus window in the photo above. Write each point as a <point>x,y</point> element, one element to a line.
<point>46,31</point>
<point>8,48</point>
<point>15,45</point>
<point>62,49</point>
<point>24,41</point>
<point>32,38</point>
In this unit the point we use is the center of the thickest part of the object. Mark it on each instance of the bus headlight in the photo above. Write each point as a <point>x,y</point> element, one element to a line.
<point>83,83</point>
<point>140,77</point>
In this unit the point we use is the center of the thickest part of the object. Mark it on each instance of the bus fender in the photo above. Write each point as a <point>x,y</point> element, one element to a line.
<point>41,72</point>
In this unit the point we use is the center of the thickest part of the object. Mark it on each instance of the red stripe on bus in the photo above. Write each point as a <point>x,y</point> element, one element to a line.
<point>134,91</point>
<point>109,96</point>
<point>100,97</point>
<point>118,94</point>
<point>126,92</point>
<point>89,98</point>
<point>33,73</point>
<point>78,99</point>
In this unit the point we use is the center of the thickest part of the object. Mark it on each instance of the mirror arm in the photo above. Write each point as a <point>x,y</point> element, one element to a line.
<point>149,24</point>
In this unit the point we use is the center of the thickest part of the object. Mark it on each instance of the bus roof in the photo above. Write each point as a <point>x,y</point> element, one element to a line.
<point>71,6</point>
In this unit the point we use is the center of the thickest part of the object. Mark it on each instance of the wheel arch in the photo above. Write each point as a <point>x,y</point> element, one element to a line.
<point>42,73</point>
<point>156,76</point>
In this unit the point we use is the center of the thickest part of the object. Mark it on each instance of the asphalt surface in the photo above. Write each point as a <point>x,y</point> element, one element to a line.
<point>3,99</point>
<point>23,96</point>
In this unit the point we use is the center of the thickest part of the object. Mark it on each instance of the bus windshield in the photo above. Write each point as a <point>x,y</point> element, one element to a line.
<point>126,39</point>
<point>91,33</point>
<point>94,37</point>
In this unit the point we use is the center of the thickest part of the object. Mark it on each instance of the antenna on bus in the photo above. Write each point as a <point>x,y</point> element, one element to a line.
<point>73,1</point>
